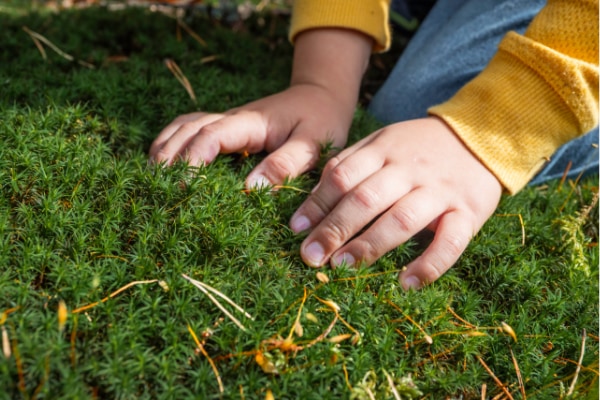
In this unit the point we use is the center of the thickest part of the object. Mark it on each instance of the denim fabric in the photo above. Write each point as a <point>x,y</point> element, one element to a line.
<point>453,44</point>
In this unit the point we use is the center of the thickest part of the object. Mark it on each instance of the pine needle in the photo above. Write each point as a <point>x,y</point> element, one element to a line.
<point>193,34</point>
<point>205,289</point>
<point>519,376</point>
<point>176,71</point>
<point>572,387</point>
<point>565,174</point>
<point>392,385</point>
<point>221,295</point>
<point>495,378</point>
<point>37,38</point>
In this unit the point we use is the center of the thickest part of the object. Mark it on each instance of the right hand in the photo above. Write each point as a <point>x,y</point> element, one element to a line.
<point>292,125</point>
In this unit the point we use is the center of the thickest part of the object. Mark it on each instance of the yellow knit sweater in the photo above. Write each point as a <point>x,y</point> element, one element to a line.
<point>538,92</point>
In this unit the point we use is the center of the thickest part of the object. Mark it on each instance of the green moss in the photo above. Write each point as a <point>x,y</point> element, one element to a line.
<point>82,214</point>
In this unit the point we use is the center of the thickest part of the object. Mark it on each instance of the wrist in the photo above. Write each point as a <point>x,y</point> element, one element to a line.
<point>333,59</point>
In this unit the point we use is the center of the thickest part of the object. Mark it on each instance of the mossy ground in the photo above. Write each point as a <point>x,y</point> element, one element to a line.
<point>82,214</point>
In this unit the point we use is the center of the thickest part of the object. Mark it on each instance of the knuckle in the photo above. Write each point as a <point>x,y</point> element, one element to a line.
<point>450,249</point>
<point>210,129</point>
<point>162,154</point>
<point>365,197</point>
<point>367,250</point>
<point>335,231</point>
<point>339,178</point>
<point>432,271</point>
<point>453,245</point>
<point>331,164</point>
<point>405,218</point>
<point>280,164</point>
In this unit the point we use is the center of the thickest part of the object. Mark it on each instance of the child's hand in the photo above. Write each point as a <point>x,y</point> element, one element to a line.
<point>408,176</point>
<point>292,125</point>
<point>316,110</point>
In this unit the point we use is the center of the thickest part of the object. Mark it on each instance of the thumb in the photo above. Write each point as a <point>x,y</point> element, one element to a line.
<point>296,156</point>
<point>244,131</point>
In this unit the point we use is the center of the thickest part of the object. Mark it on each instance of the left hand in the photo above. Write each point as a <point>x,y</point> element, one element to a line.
<point>405,177</point>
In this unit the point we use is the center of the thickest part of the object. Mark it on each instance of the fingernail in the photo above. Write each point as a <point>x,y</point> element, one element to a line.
<point>299,223</point>
<point>411,282</point>
<point>258,182</point>
<point>314,254</point>
<point>344,258</point>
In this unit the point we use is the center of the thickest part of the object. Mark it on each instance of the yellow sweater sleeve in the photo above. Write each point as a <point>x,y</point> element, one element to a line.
<point>538,92</point>
<point>367,16</point>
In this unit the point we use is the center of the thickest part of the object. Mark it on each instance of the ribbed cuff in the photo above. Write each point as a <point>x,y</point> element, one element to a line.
<point>367,16</point>
<point>526,103</point>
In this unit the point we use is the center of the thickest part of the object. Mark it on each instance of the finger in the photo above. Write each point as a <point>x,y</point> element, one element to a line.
<point>354,211</point>
<point>297,155</point>
<point>454,231</point>
<point>403,220</point>
<point>174,137</point>
<point>339,180</point>
<point>244,131</point>
<point>347,152</point>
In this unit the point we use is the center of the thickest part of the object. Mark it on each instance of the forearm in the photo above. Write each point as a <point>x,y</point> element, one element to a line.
<point>332,59</point>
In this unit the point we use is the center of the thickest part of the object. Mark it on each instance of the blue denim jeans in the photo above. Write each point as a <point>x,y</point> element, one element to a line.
<point>454,43</point>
